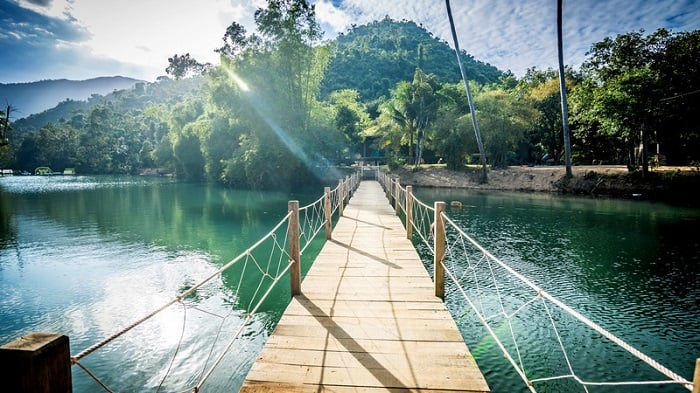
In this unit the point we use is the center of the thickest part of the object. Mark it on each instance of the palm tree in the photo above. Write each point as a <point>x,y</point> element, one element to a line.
<point>562,89</point>
<point>472,111</point>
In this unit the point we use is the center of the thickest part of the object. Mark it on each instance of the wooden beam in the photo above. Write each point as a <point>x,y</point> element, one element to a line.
<point>36,363</point>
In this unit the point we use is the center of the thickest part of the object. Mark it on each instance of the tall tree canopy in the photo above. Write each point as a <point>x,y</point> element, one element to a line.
<point>283,106</point>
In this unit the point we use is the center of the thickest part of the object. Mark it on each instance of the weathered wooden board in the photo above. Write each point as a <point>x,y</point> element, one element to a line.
<point>368,320</point>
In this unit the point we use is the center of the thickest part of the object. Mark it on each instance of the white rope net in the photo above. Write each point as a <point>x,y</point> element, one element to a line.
<point>484,290</point>
<point>222,306</point>
<point>205,321</point>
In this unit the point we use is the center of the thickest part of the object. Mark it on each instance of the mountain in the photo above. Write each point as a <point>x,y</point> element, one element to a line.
<point>34,97</point>
<point>372,58</point>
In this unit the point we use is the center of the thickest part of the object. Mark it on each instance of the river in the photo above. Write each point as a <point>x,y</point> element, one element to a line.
<point>632,267</point>
<point>84,256</point>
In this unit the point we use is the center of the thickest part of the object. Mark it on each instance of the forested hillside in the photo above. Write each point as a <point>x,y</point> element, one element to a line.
<point>34,97</point>
<point>373,58</point>
<point>285,107</point>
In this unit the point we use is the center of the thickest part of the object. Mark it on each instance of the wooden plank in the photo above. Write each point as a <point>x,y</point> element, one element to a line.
<point>362,376</point>
<point>368,319</point>
<point>267,387</point>
<point>311,357</point>
<point>339,307</point>
<point>331,343</point>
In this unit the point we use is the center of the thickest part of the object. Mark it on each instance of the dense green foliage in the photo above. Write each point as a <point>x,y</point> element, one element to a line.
<point>283,107</point>
<point>373,58</point>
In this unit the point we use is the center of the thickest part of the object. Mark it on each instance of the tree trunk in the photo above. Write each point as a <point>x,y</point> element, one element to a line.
<point>472,111</point>
<point>562,88</point>
<point>645,156</point>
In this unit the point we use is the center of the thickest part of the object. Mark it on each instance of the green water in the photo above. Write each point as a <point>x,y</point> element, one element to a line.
<point>631,266</point>
<point>85,256</point>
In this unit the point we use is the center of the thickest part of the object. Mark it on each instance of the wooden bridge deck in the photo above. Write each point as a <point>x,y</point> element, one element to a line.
<point>368,320</point>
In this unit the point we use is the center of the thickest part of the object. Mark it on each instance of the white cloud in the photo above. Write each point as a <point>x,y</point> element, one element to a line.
<point>54,9</point>
<point>516,35</point>
<point>513,35</point>
<point>143,34</point>
<point>332,19</point>
<point>148,32</point>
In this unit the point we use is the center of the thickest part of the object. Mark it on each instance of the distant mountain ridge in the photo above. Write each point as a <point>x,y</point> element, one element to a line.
<point>34,97</point>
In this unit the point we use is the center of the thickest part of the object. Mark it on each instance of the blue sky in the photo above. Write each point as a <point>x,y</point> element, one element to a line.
<point>80,39</point>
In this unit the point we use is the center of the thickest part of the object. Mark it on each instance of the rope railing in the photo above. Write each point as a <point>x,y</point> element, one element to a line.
<point>501,298</point>
<point>256,273</point>
<point>422,222</point>
<point>476,276</point>
<point>312,219</point>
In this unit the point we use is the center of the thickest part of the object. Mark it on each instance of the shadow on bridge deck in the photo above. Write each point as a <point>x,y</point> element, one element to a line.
<point>368,319</point>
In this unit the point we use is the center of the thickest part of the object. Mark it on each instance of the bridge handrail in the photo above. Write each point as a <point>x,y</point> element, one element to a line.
<point>424,214</point>
<point>390,185</point>
<point>544,294</point>
<point>182,295</point>
<point>314,219</point>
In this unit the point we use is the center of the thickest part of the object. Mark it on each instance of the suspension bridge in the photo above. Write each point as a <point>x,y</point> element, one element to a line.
<point>366,317</point>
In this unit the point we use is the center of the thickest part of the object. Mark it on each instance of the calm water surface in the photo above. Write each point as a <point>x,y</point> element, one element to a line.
<point>633,267</point>
<point>85,256</point>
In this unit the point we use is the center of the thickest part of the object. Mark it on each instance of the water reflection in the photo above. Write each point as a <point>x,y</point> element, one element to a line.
<point>630,266</point>
<point>85,256</point>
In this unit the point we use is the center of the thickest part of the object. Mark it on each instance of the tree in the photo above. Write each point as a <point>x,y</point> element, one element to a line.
<point>4,126</point>
<point>411,108</point>
<point>678,68</point>
<point>472,110</point>
<point>351,118</point>
<point>453,137</point>
<point>182,66</point>
<point>507,115</point>
<point>543,91</point>
<point>424,103</point>
<point>57,145</point>
<point>627,88</point>
<point>235,41</point>
<point>562,90</point>
<point>289,31</point>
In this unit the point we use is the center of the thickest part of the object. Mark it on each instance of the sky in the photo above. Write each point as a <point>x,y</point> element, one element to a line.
<point>81,39</point>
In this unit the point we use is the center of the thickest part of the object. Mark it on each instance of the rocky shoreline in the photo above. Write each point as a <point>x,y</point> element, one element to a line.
<point>671,184</point>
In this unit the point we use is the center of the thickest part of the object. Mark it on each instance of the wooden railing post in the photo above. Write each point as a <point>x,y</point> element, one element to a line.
<point>386,183</point>
<point>348,188</point>
<point>388,186</point>
<point>439,247</point>
<point>37,363</point>
<point>294,248</point>
<point>341,197</point>
<point>409,212</point>
<point>327,210</point>
<point>397,198</point>
<point>696,377</point>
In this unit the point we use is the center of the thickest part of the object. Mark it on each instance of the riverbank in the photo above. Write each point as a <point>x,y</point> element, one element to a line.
<point>673,184</point>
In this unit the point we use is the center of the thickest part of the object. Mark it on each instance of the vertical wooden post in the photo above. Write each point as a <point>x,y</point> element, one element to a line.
<point>37,363</point>
<point>439,247</point>
<point>409,212</point>
<point>327,210</point>
<point>696,377</point>
<point>294,249</point>
<point>341,197</point>
<point>388,186</point>
<point>397,198</point>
